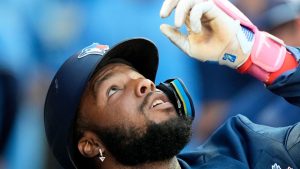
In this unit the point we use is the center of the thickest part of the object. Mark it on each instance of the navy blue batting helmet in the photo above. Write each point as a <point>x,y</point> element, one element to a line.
<point>67,87</point>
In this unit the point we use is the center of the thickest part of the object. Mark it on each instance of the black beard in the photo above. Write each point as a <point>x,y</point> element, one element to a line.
<point>131,146</point>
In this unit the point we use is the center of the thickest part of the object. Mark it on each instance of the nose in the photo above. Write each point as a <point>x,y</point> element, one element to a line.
<point>144,86</point>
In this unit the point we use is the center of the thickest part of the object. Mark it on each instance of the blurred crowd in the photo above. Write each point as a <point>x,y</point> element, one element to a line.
<point>36,37</point>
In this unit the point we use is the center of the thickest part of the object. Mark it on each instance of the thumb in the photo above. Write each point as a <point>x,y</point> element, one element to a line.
<point>175,36</point>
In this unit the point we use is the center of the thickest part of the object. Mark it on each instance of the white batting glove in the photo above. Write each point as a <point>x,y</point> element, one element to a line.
<point>212,34</point>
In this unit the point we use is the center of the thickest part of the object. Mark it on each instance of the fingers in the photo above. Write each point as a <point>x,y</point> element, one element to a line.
<point>182,10</point>
<point>196,13</point>
<point>176,37</point>
<point>167,8</point>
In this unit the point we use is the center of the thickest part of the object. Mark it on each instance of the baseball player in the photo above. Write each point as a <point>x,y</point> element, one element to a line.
<point>103,110</point>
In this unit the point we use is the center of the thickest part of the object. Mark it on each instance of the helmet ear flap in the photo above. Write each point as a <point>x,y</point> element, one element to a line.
<point>179,96</point>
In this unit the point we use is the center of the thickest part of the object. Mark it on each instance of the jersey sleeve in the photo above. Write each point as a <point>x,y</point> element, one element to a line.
<point>287,84</point>
<point>239,143</point>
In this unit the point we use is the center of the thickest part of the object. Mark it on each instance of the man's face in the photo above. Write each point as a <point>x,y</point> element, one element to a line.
<point>134,120</point>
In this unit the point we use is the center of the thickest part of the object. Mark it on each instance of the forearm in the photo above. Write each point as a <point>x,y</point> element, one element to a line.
<point>269,57</point>
<point>270,60</point>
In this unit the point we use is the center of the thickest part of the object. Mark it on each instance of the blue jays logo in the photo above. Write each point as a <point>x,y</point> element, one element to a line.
<point>229,57</point>
<point>95,49</point>
<point>276,166</point>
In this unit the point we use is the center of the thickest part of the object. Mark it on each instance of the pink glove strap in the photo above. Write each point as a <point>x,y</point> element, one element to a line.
<point>268,52</point>
<point>289,63</point>
<point>258,73</point>
<point>267,56</point>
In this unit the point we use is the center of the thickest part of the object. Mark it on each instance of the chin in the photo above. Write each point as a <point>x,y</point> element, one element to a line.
<point>160,118</point>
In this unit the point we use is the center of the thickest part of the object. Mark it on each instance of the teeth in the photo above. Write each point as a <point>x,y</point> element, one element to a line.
<point>157,102</point>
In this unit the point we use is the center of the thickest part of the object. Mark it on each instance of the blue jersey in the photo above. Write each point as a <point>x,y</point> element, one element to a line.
<point>240,144</point>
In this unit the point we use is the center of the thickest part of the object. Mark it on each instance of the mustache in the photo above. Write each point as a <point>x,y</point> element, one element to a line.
<point>145,102</point>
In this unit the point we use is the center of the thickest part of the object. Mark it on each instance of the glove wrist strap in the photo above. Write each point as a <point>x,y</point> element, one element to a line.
<point>267,56</point>
<point>268,53</point>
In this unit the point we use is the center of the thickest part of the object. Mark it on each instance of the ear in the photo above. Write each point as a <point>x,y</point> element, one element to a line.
<point>89,145</point>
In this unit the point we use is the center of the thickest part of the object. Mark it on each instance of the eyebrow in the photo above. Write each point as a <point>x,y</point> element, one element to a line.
<point>100,81</point>
<point>106,77</point>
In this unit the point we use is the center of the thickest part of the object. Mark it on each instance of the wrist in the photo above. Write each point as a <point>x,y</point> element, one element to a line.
<point>239,49</point>
<point>271,63</point>
<point>289,63</point>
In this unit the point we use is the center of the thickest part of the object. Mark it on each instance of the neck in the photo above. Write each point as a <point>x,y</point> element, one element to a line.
<point>167,164</point>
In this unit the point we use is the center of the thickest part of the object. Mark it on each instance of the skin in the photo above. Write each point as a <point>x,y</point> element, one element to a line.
<point>115,97</point>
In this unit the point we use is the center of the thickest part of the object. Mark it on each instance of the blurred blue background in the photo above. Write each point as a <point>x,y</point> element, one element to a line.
<point>36,37</point>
